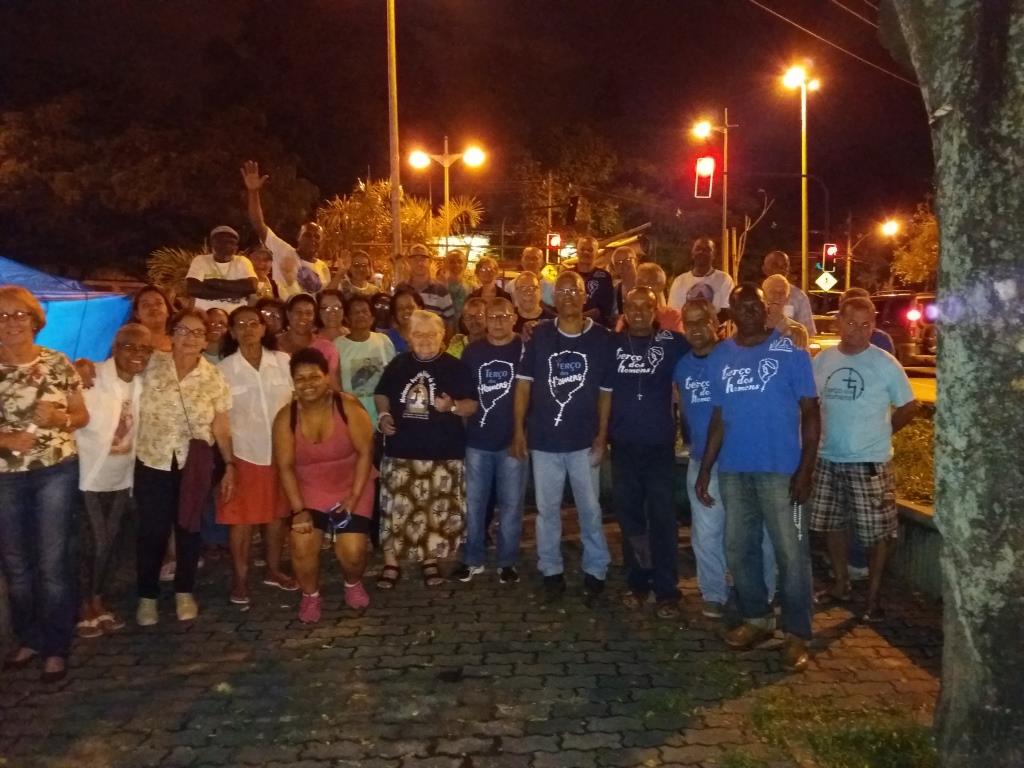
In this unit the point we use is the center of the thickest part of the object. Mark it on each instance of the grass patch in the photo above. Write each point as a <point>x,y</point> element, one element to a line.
<point>741,759</point>
<point>883,737</point>
<point>914,461</point>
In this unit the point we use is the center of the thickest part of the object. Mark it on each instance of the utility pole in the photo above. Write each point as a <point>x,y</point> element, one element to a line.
<point>550,203</point>
<point>849,248</point>
<point>725,190</point>
<point>396,181</point>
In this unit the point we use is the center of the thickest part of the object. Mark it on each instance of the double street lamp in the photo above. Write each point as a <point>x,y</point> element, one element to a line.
<point>796,77</point>
<point>472,156</point>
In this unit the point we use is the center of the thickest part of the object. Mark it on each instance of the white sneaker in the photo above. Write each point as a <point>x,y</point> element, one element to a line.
<point>146,614</point>
<point>185,605</point>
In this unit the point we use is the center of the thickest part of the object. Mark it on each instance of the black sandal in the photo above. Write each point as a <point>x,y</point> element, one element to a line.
<point>389,576</point>
<point>432,575</point>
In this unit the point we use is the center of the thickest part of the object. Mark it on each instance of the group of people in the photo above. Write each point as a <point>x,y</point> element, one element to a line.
<point>413,418</point>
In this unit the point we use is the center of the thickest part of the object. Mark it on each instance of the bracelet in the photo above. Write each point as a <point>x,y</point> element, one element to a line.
<point>381,416</point>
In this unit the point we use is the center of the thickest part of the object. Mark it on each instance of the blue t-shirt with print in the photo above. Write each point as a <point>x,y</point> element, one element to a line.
<point>642,387</point>
<point>857,394</point>
<point>693,376</point>
<point>493,369</point>
<point>759,390</point>
<point>600,294</point>
<point>567,371</point>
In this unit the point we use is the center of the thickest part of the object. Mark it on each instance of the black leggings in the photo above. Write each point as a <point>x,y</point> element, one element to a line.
<point>156,498</point>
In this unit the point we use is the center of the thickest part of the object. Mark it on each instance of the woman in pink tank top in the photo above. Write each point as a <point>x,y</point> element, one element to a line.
<point>323,444</point>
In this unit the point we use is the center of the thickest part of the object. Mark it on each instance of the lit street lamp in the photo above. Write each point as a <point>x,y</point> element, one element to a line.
<point>887,229</point>
<point>796,77</point>
<point>473,157</point>
<point>702,130</point>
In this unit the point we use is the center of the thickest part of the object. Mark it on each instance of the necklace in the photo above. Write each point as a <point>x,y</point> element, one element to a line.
<point>632,356</point>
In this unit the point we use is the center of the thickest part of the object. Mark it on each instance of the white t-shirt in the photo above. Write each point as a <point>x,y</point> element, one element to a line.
<point>715,286</point>
<point>281,250</point>
<point>256,398</point>
<point>115,473</point>
<point>362,363</point>
<point>204,267</point>
<point>799,308</point>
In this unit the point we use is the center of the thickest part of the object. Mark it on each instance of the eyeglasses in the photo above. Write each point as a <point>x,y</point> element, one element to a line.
<point>18,315</point>
<point>247,323</point>
<point>568,292</point>
<point>526,288</point>
<point>505,316</point>
<point>133,348</point>
<point>332,309</point>
<point>270,313</point>
<point>195,333</point>
<point>218,325</point>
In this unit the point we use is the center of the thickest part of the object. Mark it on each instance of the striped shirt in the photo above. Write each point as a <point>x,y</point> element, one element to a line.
<point>436,298</point>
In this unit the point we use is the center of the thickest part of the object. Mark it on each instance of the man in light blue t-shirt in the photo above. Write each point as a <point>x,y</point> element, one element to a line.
<point>764,435</point>
<point>865,398</point>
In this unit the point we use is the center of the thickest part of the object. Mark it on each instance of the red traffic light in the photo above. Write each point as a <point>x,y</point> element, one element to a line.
<point>703,176</point>
<point>829,252</point>
<point>554,240</point>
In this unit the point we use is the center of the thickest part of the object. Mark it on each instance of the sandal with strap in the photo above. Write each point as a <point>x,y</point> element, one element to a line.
<point>667,609</point>
<point>389,576</point>
<point>432,575</point>
<point>633,600</point>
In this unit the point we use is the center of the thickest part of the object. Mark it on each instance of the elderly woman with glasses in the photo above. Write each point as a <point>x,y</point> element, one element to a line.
<point>185,404</point>
<point>41,405</point>
<point>422,399</point>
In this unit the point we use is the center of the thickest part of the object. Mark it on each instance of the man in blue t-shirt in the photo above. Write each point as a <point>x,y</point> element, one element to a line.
<point>865,399</point>
<point>600,303</point>
<point>764,434</point>
<point>493,362</point>
<point>562,404</point>
<point>707,535</point>
<point>643,435</point>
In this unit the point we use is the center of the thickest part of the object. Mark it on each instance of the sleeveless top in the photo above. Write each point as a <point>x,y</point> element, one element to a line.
<point>326,470</point>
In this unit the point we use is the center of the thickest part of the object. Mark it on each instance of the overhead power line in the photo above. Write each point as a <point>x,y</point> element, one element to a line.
<point>853,13</point>
<point>834,45</point>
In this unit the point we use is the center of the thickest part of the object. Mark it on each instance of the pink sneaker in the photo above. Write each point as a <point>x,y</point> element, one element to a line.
<point>309,609</point>
<point>356,597</point>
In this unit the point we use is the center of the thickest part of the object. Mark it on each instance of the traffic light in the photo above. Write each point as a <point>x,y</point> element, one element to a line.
<point>570,210</point>
<point>554,246</point>
<point>703,176</point>
<point>829,252</point>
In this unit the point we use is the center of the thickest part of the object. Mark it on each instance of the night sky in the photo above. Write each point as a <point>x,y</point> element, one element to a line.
<point>503,72</point>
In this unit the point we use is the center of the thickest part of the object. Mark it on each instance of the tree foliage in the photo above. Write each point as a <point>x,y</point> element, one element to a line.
<point>916,258</point>
<point>76,190</point>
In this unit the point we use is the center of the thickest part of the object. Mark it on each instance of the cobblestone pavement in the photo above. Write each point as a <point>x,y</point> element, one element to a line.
<point>463,676</point>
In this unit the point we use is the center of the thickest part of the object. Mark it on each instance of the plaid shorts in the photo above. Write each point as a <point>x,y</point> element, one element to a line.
<point>864,490</point>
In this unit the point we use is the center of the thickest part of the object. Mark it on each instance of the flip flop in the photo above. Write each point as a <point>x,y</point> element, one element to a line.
<point>110,622</point>
<point>828,597</point>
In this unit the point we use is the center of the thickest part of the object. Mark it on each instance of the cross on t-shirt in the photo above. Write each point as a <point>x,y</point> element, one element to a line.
<point>568,371</point>
<point>493,369</point>
<point>642,396</point>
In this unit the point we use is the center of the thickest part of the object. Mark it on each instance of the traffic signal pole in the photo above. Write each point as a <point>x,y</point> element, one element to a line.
<point>725,190</point>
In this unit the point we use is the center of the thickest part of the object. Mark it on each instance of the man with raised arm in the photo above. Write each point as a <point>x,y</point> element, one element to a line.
<point>313,273</point>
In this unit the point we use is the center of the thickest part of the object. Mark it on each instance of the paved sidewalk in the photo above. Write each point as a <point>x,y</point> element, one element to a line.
<point>464,676</point>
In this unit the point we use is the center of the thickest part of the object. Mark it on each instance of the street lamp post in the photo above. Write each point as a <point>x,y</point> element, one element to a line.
<point>473,156</point>
<point>796,77</point>
<point>702,130</point>
<point>887,229</point>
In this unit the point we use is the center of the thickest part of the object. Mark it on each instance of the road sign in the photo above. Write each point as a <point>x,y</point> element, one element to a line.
<point>826,281</point>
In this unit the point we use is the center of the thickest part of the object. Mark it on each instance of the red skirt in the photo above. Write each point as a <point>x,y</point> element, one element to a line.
<point>257,499</point>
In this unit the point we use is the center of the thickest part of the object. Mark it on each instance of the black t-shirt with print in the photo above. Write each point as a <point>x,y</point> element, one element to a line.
<point>411,385</point>
<point>642,397</point>
<point>567,372</point>
<point>493,369</point>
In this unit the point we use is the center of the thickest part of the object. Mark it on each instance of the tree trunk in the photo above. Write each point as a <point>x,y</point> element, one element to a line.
<point>969,58</point>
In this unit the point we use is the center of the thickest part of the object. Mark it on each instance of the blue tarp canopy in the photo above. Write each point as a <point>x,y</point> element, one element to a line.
<point>79,322</point>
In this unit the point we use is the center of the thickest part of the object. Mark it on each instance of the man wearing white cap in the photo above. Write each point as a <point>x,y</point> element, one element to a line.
<point>313,273</point>
<point>223,278</point>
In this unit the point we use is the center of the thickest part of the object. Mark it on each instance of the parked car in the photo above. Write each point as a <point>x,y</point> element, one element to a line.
<point>827,334</point>
<point>909,317</point>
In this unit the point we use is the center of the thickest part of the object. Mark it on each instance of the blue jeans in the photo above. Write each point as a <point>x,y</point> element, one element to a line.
<point>549,473</point>
<point>645,508</point>
<point>755,500</point>
<point>707,536</point>
<point>37,513</point>
<point>484,470</point>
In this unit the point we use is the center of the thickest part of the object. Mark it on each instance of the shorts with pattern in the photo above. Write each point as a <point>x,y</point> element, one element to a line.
<point>423,507</point>
<point>865,491</point>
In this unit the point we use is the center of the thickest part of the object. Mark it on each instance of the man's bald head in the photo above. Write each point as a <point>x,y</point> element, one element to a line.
<point>775,263</point>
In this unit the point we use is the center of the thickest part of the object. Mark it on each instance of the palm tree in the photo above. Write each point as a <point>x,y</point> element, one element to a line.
<point>167,268</point>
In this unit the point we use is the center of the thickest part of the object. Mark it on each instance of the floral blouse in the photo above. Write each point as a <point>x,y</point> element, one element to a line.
<point>49,377</point>
<point>173,412</point>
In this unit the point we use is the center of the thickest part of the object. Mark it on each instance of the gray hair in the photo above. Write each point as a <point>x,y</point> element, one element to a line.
<point>422,318</point>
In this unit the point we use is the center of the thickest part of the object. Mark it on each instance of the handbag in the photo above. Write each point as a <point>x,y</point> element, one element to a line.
<point>198,477</point>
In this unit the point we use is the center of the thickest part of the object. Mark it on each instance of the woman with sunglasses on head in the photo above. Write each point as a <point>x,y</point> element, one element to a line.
<point>323,447</point>
<point>185,402</point>
<point>41,405</point>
